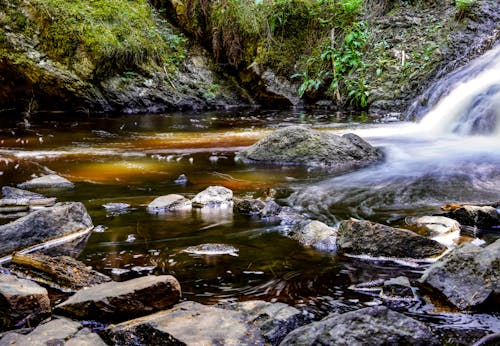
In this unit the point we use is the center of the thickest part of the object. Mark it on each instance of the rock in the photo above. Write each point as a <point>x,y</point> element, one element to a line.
<point>479,216</point>
<point>42,225</point>
<point>118,208</point>
<point>121,300</point>
<point>51,181</point>
<point>397,288</point>
<point>271,209</point>
<point>62,271</point>
<point>250,206</point>
<point>441,229</point>
<point>15,193</point>
<point>167,203</point>
<point>212,249</point>
<point>300,145</point>
<point>468,276</point>
<point>56,332</point>
<point>315,234</point>
<point>290,217</point>
<point>275,320</point>
<point>356,237</point>
<point>181,179</point>
<point>370,326</point>
<point>22,302</point>
<point>214,197</point>
<point>188,323</point>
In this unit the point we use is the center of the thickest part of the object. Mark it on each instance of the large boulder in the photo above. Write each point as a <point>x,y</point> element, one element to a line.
<point>473,215</point>
<point>370,326</point>
<point>21,302</point>
<point>42,225</point>
<point>51,181</point>
<point>167,203</point>
<point>357,237</point>
<point>468,277</point>
<point>304,146</point>
<point>315,234</point>
<point>188,323</point>
<point>118,301</point>
<point>214,197</point>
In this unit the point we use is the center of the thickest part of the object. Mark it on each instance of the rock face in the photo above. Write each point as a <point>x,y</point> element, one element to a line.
<point>121,300</point>
<point>167,203</point>
<point>52,181</point>
<point>468,276</point>
<point>21,302</point>
<point>61,271</point>
<point>214,197</point>
<point>42,225</point>
<point>300,145</point>
<point>479,216</point>
<point>370,326</point>
<point>315,234</point>
<point>356,237</point>
<point>188,323</point>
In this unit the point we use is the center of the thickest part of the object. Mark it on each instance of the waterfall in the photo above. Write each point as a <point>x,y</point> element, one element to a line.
<point>465,102</point>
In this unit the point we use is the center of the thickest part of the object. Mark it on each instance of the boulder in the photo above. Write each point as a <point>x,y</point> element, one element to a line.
<point>250,206</point>
<point>304,146</point>
<point>22,302</point>
<point>188,323</point>
<point>315,234</point>
<point>357,237</point>
<point>118,301</point>
<point>62,271</point>
<point>370,326</point>
<point>167,203</point>
<point>271,209</point>
<point>15,193</point>
<point>51,181</point>
<point>214,197</point>
<point>55,332</point>
<point>439,228</point>
<point>42,225</point>
<point>397,288</point>
<point>468,276</point>
<point>472,215</point>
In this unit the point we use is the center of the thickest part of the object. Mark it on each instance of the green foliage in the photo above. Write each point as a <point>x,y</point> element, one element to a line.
<point>463,7</point>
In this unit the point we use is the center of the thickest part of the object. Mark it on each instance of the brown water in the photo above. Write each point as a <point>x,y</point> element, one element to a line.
<point>133,159</point>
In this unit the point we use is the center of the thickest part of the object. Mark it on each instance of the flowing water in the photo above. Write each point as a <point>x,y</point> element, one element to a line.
<point>133,159</point>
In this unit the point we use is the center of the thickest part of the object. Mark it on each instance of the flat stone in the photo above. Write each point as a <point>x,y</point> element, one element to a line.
<point>315,234</point>
<point>118,301</point>
<point>22,302</point>
<point>212,249</point>
<point>170,202</point>
<point>439,228</point>
<point>15,193</point>
<point>214,197</point>
<point>52,181</point>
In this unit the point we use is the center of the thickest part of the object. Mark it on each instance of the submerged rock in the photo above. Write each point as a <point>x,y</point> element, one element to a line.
<point>118,301</point>
<point>212,249</point>
<point>472,215</point>
<point>187,323</point>
<point>214,197</point>
<point>397,288</point>
<point>250,206</point>
<point>22,302</point>
<point>468,277</point>
<point>315,234</point>
<point>61,271</point>
<point>370,326</point>
<point>356,237</point>
<point>300,145</point>
<point>167,203</point>
<point>441,229</point>
<point>42,225</point>
<point>52,181</point>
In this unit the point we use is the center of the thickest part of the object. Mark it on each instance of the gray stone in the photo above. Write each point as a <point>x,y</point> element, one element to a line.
<point>397,288</point>
<point>468,276</point>
<point>370,326</point>
<point>42,225</point>
<point>356,237</point>
<point>15,193</point>
<point>315,234</point>
<point>212,249</point>
<point>119,301</point>
<point>85,337</point>
<point>300,145</point>
<point>439,228</point>
<point>167,203</point>
<point>250,206</point>
<point>52,181</point>
<point>22,302</point>
<point>271,209</point>
<point>472,215</point>
<point>214,197</point>
<point>188,323</point>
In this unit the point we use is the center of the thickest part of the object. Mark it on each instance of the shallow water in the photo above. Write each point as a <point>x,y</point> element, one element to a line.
<point>133,159</point>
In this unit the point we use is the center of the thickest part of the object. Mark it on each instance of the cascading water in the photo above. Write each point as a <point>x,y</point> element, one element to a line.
<point>451,155</point>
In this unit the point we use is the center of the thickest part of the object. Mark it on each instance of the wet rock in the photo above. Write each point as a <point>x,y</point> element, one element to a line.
<point>441,229</point>
<point>214,197</point>
<point>370,326</point>
<point>116,208</point>
<point>271,209</point>
<point>51,181</point>
<point>212,249</point>
<point>121,300</point>
<point>290,217</point>
<point>250,206</point>
<point>472,215</point>
<point>356,237</point>
<point>300,145</point>
<point>181,179</point>
<point>315,234</point>
<point>468,276</point>
<point>397,288</point>
<point>42,225</point>
<point>275,320</point>
<point>15,193</point>
<point>62,271</point>
<point>56,332</point>
<point>22,302</point>
<point>167,203</point>
<point>188,323</point>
